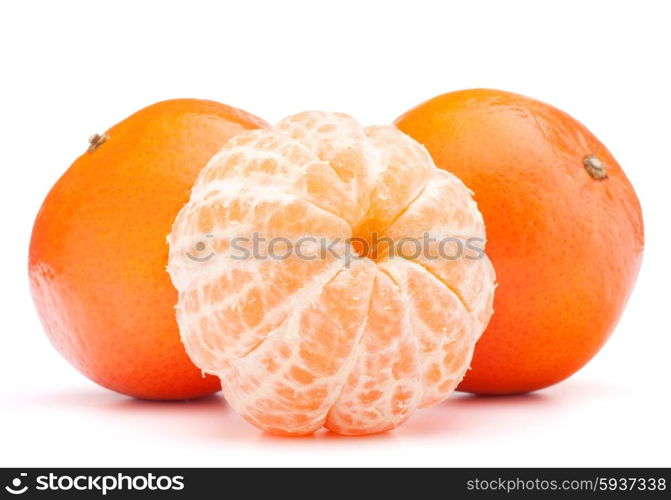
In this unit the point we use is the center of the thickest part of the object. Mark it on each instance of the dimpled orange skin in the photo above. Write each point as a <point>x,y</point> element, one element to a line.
<point>98,251</point>
<point>566,246</point>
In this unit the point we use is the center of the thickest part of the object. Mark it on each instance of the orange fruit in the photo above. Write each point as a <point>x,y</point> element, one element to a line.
<point>98,250</point>
<point>564,225</point>
<point>356,339</point>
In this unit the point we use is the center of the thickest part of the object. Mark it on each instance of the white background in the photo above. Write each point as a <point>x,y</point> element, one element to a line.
<point>69,69</point>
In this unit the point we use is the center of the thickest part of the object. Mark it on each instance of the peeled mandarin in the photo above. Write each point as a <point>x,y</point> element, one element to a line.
<point>354,339</point>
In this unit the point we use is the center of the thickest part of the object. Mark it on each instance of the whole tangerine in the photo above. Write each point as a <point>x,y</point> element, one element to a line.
<point>98,251</point>
<point>564,227</point>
